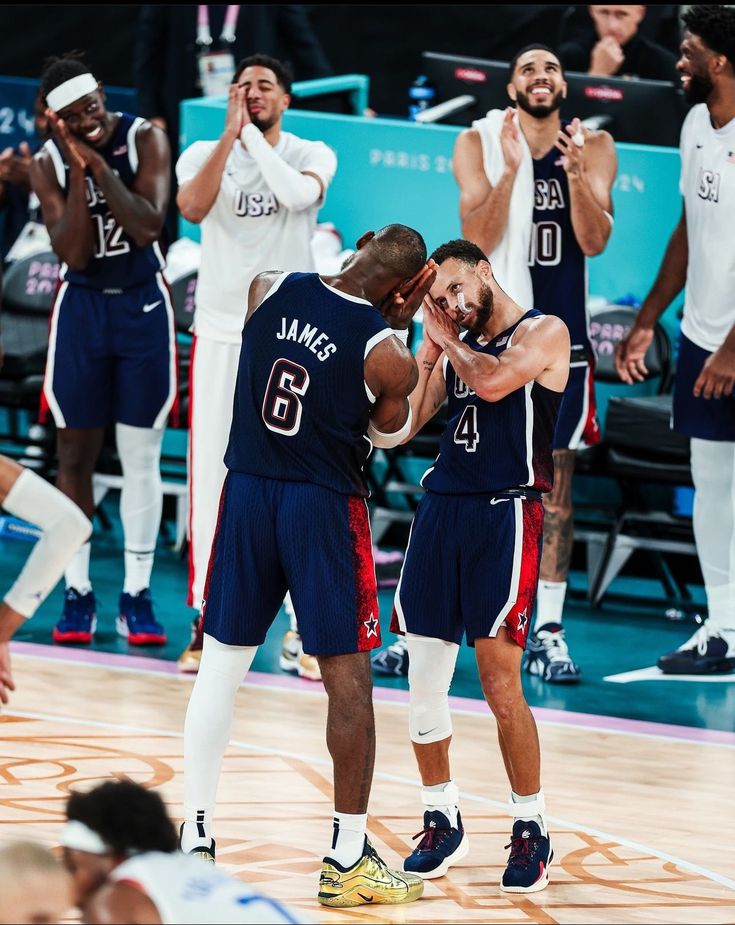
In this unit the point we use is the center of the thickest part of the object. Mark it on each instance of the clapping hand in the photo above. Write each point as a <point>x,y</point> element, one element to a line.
<point>571,141</point>
<point>78,154</point>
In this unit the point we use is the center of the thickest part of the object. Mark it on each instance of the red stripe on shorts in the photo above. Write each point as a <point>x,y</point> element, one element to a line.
<point>591,434</point>
<point>518,620</point>
<point>366,587</point>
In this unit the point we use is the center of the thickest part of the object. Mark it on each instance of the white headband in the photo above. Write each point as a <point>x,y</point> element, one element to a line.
<point>71,91</point>
<point>80,837</point>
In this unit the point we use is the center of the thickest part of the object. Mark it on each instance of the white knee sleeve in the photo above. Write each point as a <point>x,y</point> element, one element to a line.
<point>430,669</point>
<point>713,472</point>
<point>64,527</point>
<point>141,500</point>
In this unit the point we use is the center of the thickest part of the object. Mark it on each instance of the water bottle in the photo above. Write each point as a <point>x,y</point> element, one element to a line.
<point>421,95</point>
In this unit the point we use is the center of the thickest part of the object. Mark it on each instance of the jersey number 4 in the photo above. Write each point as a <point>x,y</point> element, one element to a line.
<point>467,432</point>
<point>282,405</point>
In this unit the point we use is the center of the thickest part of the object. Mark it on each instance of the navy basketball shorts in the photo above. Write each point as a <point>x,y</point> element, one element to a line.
<point>577,425</point>
<point>706,418</point>
<point>111,357</point>
<point>471,566</point>
<point>274,536</point>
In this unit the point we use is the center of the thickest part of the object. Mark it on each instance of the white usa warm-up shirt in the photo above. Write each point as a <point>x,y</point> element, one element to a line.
<point>248,231</point>
<point>189,891</point>
<point>708,187</point>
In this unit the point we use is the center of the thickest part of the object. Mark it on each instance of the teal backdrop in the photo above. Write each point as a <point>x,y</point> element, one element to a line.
<point>391,170</point>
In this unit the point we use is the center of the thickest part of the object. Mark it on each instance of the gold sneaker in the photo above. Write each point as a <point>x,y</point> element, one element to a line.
<point>191,657</point>
<point>294,660</point>
<point>368,881</point>
<point>309,668</point>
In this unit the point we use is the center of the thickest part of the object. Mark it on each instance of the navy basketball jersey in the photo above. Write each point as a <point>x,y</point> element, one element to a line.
<point>490,446</point>
<point>117,262</point>
<point>301,402</point>
<point>558,270</point>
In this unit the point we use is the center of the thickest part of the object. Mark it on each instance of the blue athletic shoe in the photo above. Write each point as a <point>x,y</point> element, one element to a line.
<point>547,656</point>
<point>79,620</point>
<point>531,854</point>
<point>136,621</point>
<point>439,848</point>
<point>393,660</point>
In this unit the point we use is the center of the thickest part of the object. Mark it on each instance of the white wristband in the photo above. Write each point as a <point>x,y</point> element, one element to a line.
<point>387,441</point>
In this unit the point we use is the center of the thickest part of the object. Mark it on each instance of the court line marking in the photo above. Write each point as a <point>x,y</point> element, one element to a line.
<point>465,706</point>
<point>394,778</point>
<point>655,674</point>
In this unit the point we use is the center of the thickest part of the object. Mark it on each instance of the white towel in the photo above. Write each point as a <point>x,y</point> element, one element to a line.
<point>509,260</point>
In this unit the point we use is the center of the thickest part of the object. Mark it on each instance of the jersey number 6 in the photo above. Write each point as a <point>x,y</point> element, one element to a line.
<point>282,406</point>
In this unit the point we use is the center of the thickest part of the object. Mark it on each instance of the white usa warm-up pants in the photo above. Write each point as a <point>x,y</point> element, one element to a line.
<point>212,381</point>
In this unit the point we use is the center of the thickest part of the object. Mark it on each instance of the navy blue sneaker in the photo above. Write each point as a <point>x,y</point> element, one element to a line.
<point>439,848</point>
<point>136,621</point>
<point>547,656</point>
<point>709,651</point>
<point>527,870</point>
<point>393,660</point>
<point>79,620</point>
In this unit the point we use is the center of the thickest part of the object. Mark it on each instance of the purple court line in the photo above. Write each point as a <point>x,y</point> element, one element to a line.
<point>385,695</point>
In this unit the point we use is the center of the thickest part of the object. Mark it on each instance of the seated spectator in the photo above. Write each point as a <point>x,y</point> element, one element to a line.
<point>121,849</point>
<point>34,887</point>
<point>615,47</point>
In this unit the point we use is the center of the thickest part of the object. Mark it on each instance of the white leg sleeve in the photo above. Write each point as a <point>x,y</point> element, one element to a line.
<point>64,527</point>
<point>713,471</point>
<point>208,723</point>
<point>213,378</point>
<point>430,670</point>
<point>141,499</point>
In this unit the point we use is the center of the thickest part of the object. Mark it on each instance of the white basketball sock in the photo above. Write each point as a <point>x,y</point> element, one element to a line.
<point>721,607</point>
<point>444,798</point>
<point>348,838</point>
<point>77,572</point>
<point>549,603</point>
<point>207,730</point>
<point>530,808</point>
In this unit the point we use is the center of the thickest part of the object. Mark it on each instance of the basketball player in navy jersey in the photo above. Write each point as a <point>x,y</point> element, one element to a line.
<point>562,173</point>
<point>103,183</point>
<point>472,561</point>
<point>701,258</point>
<point>321,376</point>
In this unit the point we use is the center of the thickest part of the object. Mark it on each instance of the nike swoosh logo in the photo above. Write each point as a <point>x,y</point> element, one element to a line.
<point>365,899</point>
<point>498,500</point>
<point>427,731</point>
<point>149,308</point>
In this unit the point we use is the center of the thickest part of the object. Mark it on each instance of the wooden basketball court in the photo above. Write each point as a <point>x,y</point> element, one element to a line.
<point>640,814</point>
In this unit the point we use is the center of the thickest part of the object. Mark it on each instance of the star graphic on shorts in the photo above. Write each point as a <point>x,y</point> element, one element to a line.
<point>372,626</point>
<point>522,619</point>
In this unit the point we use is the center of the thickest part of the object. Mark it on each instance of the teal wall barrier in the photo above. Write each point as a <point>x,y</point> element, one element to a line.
<point>391,170</point>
